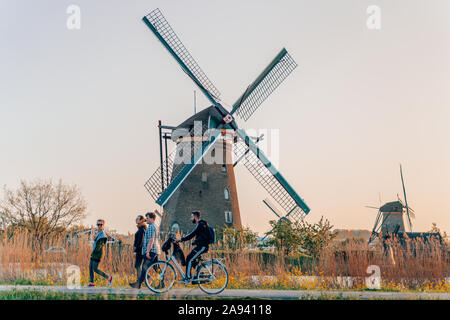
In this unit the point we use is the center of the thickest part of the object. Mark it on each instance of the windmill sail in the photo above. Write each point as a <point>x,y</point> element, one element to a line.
<point>162,188</point>
<point>274,74</point>
<point>376,227</point>
<point>164,32</point>
<point>272,207</point>
<point>406,201</point>
<point>270,178</point>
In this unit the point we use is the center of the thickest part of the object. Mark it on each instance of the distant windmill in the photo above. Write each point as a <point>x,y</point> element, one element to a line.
<point>390,215</point>
<point>184,182</point>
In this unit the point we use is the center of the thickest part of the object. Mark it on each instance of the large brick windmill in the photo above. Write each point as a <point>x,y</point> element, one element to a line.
<point>199,174</point>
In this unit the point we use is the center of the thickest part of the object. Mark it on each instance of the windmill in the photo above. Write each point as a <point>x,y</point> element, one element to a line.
<point>390,215</point>
<point>187,179</point>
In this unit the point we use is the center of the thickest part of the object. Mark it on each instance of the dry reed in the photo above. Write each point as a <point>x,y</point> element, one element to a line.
<point>417,266</point>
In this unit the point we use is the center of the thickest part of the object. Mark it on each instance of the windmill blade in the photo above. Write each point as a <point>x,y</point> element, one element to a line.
<point>180,171</point>
<point>412,213</point>
<point>376,227</point>
<point>272,207</point>
<point>275,210</point>
<point>372,207</point>
<point>164,32</point>
<point>406,201</point>
<point>274,74</point>
<point>270,178</point>
<point>410,225</point>
<point>248,150</point>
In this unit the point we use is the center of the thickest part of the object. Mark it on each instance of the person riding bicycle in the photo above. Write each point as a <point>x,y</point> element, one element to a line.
<point>201,242</point>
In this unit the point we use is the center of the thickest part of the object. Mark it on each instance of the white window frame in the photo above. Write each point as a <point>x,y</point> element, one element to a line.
<point>228,217</point>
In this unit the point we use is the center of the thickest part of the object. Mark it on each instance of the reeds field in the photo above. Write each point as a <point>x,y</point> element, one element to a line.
<point>417,266</point>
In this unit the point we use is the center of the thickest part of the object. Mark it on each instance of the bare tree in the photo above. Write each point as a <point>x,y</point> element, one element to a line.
<point>41,207</point>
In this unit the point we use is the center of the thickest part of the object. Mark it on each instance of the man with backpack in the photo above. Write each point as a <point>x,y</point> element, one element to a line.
<point>204,236</point>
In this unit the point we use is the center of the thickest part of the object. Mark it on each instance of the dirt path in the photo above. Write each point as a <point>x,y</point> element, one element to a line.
<point>241,293</point>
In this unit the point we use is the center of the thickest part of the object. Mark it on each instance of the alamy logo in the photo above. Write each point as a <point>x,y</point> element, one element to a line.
<point>374,19</point>
<point>74,18</point>
<point>73,273</point>
<point>374,280</point>
<point>191,144</point>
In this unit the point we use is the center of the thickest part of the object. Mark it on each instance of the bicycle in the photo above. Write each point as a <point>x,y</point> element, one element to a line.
<point>210,275</point>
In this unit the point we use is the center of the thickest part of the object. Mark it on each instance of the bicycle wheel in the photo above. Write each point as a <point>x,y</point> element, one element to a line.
<point>160,277</point>
<point>211,277</point>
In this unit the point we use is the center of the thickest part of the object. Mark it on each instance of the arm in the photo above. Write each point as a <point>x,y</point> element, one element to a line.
<point>150,245</point>
<point>135,242</point>
<point>138,239</point>
<point>190,235</point>
<point>151,240</point>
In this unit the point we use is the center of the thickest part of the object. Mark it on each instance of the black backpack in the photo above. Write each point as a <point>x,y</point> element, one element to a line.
<point>211,235</point>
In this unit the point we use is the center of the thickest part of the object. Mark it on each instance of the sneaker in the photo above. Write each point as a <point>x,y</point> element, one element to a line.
<point>110,280</point>
<point>91,285</point>
<point>135,285</point>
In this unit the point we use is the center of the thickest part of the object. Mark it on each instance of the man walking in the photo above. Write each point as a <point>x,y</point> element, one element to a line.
<point>150,248</point>
<point>96,254</point>
<point>201,242</point>
<point>138,241</point>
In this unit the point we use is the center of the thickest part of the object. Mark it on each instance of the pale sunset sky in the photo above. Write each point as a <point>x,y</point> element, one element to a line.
<point>83,105</point>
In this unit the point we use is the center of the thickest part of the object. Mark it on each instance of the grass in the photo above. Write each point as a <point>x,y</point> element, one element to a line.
<point>31,294</point>
<point>422,270</point>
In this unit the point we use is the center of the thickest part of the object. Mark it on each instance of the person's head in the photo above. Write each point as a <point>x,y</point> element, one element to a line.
<point>150,217</point>
<point>139,220</point>
<point>100,224</point>
<point>195,216</point>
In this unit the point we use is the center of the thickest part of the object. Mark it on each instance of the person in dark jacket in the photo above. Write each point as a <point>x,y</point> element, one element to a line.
<point>201,242</point>
<point>150,248</point>
<point>96,254</point>
<point>137,247</point>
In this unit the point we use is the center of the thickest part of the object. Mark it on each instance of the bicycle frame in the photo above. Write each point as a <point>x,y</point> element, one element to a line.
<point>178,268</point>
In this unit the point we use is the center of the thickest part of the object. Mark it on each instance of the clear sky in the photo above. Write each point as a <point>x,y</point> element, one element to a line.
<point>83,105</point>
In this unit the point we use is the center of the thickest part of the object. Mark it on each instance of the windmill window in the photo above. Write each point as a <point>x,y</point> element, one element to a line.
<point>228,217</point>
<point>226,194</point>
<point>204,177</point>
<point>213,152</point>
<point>224,168</point>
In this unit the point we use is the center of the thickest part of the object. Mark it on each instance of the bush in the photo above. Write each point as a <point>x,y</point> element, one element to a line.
<point>300,237</point>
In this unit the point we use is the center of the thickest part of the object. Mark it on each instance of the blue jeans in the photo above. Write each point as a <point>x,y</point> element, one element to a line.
<point>195,253</point>
<point>93,267</point>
